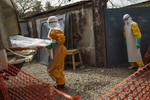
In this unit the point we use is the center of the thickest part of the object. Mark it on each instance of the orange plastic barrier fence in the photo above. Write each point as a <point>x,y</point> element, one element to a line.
<point>135,87</point>
<point>16,84</point>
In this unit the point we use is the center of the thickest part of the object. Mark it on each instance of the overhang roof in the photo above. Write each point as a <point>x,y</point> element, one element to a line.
<point>62,9</point>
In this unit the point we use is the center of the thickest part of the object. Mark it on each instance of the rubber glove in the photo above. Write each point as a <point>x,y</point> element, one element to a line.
<point>138,42</point>
<point>53,44</point>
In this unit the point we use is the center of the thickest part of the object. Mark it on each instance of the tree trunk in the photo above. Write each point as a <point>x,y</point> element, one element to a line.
<point>99,32</point>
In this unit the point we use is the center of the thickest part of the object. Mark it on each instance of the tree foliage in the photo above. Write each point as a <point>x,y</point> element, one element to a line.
<point>60,2</point>
<point>27,7</point>
<point>48,6</point>
<point>37,7</point>
<point>121,4</point>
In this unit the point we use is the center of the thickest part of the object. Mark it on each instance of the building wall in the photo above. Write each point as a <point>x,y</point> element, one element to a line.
<point>8,23</point>
<point>86,42</point>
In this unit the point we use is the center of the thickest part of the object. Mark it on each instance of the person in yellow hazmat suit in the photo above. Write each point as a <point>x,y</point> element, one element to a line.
<point>133,37</point>
<point>58,52</point>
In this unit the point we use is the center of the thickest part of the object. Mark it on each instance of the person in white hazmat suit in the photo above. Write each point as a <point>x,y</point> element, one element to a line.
<point>133,36</point>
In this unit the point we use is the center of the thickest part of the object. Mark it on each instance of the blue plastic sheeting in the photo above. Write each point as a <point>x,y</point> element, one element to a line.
<point>43,57</point>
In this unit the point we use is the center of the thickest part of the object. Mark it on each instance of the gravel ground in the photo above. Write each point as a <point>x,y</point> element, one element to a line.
<point>89,83</point>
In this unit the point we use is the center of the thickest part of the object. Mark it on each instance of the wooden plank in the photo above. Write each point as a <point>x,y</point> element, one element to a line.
<point>25,48</point>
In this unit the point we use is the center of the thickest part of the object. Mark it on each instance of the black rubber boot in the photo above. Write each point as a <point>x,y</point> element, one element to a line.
<point>59,86</point>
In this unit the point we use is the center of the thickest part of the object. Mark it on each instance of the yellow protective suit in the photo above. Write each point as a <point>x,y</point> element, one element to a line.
<point>56,65</point>
<point>136,32</point>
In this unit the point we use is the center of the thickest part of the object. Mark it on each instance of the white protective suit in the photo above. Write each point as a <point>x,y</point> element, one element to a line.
<point>133,36</point>
<point>134,54</point>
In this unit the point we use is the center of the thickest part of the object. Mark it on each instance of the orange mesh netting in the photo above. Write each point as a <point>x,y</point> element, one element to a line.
<point>135,87</point>
<point>16,84</point>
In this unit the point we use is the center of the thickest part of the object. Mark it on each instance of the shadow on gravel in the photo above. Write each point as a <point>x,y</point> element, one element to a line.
<point>121,71</point>
<point>75,93</point>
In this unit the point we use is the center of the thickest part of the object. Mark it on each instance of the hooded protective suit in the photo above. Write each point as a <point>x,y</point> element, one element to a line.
<point>56,64</point>
<point>133,35</point>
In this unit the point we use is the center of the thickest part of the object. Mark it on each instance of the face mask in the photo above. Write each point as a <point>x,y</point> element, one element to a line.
<point>53,25</point>
<point>128,21</point>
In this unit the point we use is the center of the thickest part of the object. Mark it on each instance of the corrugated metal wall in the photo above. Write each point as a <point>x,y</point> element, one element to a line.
<point>116,46</point>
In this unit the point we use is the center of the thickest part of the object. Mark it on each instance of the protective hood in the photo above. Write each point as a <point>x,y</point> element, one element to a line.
<point>127,19</point>
<point>53,23</point>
